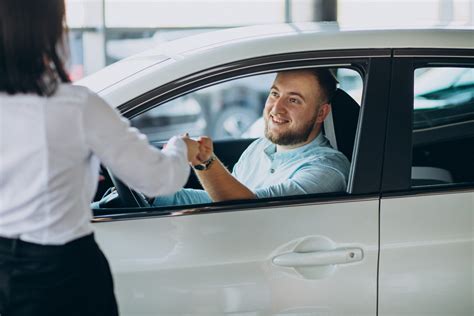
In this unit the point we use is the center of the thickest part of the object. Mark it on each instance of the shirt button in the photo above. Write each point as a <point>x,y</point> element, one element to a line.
<point>272,170</point>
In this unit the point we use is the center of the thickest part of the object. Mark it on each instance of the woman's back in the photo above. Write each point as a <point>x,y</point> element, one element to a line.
<point>47,172</point>
<point>49,159</point>
<point>52,136</point>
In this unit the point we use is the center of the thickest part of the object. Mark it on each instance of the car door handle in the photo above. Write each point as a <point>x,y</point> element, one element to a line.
<point>319,258</point>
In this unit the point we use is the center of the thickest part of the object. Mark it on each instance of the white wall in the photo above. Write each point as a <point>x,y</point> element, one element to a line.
<point>225,13</point>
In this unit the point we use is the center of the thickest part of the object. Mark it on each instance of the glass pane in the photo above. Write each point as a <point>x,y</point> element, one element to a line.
<point>351,82</point>
<point>443,96</point>
<point>443,134</point>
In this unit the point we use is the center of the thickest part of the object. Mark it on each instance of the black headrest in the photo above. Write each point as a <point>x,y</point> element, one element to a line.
<point>345,113</point>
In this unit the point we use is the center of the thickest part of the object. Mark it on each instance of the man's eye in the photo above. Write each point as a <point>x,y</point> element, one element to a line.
<point>293,100</point>
<point>274,94</point>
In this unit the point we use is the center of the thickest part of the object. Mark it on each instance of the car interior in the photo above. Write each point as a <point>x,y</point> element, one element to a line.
<point>341,124</point>
<point>447,161</point>
<point>339,128</point>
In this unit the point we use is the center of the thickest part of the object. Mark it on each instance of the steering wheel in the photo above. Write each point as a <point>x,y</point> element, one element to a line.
<point>127,196</point>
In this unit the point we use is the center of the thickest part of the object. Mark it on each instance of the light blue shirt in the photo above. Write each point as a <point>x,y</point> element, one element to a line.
<point>313,168</point>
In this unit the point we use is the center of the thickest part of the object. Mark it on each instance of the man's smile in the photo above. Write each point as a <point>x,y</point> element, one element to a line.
<point>278,120</point>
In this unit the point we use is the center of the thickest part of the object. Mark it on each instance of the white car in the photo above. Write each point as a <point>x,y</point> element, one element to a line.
<point>398,241</point>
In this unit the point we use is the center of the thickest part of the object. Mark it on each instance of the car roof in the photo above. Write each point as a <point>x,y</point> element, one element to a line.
<point>142,72</point>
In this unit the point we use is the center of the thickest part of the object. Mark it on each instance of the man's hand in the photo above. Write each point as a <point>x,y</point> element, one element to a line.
<point>218,182</point>
<point>206,148</point>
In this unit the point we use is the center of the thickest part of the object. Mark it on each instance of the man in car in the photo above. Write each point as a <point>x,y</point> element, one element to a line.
<point>293,158</point>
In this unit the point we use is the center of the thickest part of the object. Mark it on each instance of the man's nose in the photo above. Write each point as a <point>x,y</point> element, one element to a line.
<point>279,106</point>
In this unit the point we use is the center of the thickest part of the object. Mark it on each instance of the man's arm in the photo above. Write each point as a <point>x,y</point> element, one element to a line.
<point>217,180</point>
<point>310,179</point>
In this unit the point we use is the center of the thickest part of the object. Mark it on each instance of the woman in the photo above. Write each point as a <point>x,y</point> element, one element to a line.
<point>52,136</point>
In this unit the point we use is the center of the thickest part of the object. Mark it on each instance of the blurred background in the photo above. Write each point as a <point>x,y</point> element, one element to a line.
<point>105,31</point>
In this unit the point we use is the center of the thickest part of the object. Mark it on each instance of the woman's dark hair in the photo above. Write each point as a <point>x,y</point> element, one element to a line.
<point>32,46</point>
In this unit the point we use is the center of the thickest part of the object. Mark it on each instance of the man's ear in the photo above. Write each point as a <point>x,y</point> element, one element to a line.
<point>323,112</point>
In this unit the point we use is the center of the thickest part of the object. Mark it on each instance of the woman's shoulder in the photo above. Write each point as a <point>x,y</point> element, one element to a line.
<point>79,97</point>
<point>79,93</point>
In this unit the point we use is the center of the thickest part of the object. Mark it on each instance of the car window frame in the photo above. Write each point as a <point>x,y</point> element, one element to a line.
<point>366,167</point>
<point>399,141</point>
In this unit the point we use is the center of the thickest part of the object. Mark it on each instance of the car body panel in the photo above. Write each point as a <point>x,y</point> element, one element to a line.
<point>221,263</point>
<point>426,231</point>
<point>427,255</point>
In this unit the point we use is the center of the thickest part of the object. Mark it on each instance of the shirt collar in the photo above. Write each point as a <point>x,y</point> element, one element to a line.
<point>270,150</point>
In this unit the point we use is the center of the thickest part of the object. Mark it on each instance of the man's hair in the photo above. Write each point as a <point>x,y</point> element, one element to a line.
<point>32,46</point>
<point>327,83</point>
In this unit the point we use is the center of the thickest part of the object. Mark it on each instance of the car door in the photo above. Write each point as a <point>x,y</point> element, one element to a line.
<point>301,255</point>
<point>427,208</point>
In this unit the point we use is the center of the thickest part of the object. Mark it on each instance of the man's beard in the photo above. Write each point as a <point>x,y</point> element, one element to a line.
<point>291,137</point>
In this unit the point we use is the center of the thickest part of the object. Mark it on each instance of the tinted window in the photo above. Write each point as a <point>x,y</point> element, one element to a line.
<point>443,96</point>
<point>443,126</point>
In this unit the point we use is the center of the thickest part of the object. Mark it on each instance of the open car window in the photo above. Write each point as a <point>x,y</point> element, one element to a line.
<point>231,114</point>
<point>222,111</point>
<point>229,110</point>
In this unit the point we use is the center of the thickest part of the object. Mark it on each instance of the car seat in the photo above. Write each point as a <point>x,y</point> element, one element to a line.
<point>423,176</point>
<point>341,124</point>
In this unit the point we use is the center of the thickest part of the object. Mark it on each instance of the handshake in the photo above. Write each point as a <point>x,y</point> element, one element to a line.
<point>200,150</point>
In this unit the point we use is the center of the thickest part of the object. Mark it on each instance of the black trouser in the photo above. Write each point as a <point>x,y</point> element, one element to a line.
<point>69,280</point>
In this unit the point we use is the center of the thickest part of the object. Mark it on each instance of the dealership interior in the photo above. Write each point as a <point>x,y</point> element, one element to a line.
<point>237,157</point>
<point>105,31</point>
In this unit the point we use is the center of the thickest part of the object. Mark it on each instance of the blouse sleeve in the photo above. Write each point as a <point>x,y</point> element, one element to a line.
<point>128,154</point>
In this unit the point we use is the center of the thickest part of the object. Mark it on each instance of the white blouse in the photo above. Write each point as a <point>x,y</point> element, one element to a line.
<point>49,162</point>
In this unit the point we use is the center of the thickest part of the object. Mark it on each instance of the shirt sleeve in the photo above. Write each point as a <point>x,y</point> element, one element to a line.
<point>128,154</point>
<point>183,197</point>
<point>307,180</point>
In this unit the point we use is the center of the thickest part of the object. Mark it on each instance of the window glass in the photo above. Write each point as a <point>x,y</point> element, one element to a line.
<point>443,96</point>
<point>443,126</point>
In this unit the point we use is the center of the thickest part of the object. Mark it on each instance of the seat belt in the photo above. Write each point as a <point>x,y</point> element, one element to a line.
<point>329,130</point>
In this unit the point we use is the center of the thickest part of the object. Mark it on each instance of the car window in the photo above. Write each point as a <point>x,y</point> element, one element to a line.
<point>229,110</point>
<point>443,125</point>
<point>222,111</point>
<point>443,96</point>
<point>231,114</point>
<point>161,123</point>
